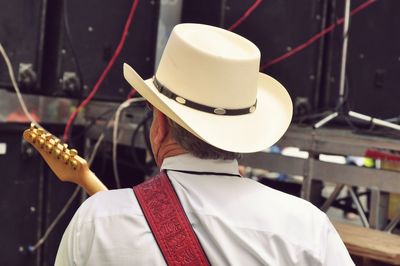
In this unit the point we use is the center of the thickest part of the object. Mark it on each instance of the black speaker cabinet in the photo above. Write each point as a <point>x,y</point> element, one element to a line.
<point>95,30</point>
<point>30,198</point>
<point>22,26</point>
<point>373,65</point>
<point>21,193</point>
<point>276,27</point>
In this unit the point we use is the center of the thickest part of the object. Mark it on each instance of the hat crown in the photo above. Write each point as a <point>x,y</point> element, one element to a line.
<point>210,66</point>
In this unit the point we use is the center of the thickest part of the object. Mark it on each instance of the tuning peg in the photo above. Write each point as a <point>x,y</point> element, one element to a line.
<point>73,153</point>
<point>65,147</point>
<point>57,152</point>
<point>40,131</point>
<point>56,142</point>
<point>32,136</point>
<point>49,147</point>
<point>32,126</point>
<point>65,157</point>
<point>41,141</point>
<point>73,163</point>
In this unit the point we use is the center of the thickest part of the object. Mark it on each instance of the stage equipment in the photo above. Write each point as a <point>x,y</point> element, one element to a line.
<point>31,198</point>
<point>22,26</point>
<point>276,27</point>
<point>21,191</point>
<point>93,29</point>
<point>364,78</point>
<point>55,193</point>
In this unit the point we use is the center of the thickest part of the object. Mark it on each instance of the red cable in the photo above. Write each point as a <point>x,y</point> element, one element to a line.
<point>315,37</point>
<point>105,71</point>
<point>131,93</point>
<point>245,15</point>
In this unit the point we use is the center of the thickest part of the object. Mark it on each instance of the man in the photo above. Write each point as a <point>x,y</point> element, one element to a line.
<point>210,104</point>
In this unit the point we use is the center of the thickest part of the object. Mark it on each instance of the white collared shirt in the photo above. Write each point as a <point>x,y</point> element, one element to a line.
<point>237,220</point>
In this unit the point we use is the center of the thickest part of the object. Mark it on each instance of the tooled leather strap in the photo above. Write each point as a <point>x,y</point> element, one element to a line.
<point>168,222</point>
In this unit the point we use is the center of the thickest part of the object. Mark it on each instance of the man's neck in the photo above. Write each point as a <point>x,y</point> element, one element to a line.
<point>168,149</point>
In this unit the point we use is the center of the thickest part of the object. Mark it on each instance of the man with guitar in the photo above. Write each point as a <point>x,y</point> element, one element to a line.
<point>210,104</point>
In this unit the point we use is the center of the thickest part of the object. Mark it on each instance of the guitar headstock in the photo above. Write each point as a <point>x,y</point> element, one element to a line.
<point>65,162</point>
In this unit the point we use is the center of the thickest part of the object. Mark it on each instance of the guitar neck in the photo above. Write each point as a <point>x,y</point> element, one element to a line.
<point>91,183</point>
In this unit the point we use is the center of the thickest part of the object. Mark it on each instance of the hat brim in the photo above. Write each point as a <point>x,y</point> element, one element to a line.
<point>242,133</point>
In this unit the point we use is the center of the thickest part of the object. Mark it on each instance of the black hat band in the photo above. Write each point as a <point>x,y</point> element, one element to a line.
<point>201,107</point>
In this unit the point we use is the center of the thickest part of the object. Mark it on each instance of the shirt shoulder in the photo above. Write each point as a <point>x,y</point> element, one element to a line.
<point>291,216</point>
<point>109,203</point>
<point>305,227</point>
<point>104,219</point>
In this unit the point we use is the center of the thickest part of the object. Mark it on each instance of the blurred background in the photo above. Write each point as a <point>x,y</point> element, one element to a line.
<point>61,66</point>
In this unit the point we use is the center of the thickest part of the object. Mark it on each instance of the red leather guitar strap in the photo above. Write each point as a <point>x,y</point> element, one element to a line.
<point>168,222</point>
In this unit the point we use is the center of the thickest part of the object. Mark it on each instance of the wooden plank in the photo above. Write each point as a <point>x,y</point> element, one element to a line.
<point>274,162</point>
<point>370,243</point>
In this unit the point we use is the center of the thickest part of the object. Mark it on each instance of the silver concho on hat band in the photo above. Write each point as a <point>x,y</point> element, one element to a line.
<point>180,100</point>
<point>219,111</point>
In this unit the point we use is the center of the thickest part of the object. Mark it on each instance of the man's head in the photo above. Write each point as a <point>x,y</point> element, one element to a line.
<point>208,83</point>
<point>169,139</point>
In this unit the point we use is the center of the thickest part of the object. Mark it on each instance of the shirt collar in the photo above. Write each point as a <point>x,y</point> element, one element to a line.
<point>188,162</point>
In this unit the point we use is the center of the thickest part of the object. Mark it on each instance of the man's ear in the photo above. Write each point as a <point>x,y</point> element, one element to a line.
<point>163,125</point>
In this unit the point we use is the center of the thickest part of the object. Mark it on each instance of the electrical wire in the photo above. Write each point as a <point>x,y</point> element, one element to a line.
<point>90,160</point>
<point>245,15</point>
<point>315,37</point>
<point>131,93</point>
<point>115,135</point>
<point>145,168</point>
<point>71,46</point>
<point>94,120</point>
<point>105,71</point>
<point>40,242</point>
<point>96,147</point>
<point>15,85</point>
<point>68,36</point>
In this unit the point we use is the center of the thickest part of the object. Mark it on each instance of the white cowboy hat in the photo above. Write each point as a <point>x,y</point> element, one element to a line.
<point>208,82</point>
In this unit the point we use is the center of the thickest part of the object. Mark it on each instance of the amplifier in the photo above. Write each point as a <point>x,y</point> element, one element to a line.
<point>95,29</point>
<point>373,64</point>
<point>22,25</point>
<point>31,197</point>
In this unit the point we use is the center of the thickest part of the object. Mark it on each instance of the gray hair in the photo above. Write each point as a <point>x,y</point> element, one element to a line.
<point>198,147</point>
